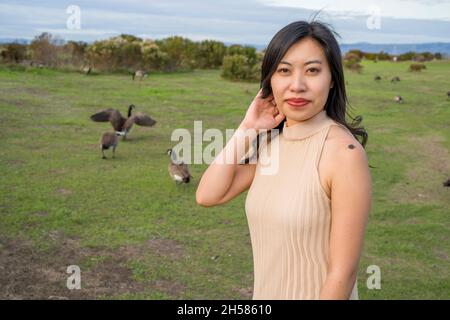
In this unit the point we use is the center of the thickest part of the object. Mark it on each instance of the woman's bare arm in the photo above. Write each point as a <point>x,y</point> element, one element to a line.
<point>225,178</point>
<point>350,206</point>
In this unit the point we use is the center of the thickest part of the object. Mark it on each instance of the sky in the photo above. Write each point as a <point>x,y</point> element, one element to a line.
<point>252,22</point>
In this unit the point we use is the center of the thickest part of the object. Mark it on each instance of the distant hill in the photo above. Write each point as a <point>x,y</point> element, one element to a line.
<point>11,40</point>
<point>391,48</point>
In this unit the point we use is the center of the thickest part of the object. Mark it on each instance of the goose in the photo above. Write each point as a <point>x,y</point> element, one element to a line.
<point>179,171</point>
<point>448,94</point>
<point>120,124</point>
<point>398,99</point>
<point>138,74</point>
<point>446,183</point>
<point>108,140</point>
<point>377,78</point>
<point>395,79</point>
<point>87,70</point>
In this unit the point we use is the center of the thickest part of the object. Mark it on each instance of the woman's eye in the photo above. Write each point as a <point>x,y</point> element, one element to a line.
<point>313,70</point>
<point>283,70</point>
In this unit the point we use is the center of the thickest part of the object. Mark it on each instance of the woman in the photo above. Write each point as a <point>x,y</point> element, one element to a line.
<point>307,220</point>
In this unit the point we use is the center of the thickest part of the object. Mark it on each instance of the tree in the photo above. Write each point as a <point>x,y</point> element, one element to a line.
<point>14,52</point>
<point>44,48</point>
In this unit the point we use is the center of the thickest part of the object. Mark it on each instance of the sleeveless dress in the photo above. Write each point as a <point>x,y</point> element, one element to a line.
<point>289,214</point>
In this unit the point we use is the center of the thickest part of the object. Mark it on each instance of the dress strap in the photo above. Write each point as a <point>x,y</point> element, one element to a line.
<point>323,136</point>
<point>320,143</point>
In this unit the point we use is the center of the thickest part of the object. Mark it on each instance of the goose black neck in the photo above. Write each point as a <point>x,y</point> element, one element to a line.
<point>129,110</point>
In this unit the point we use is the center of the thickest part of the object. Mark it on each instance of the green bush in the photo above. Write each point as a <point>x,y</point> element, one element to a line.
<point>238,67</point>
<point>417,67</point>
<point>14,52</point>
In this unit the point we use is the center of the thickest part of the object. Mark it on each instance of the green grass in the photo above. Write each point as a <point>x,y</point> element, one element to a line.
<point>53,180</point>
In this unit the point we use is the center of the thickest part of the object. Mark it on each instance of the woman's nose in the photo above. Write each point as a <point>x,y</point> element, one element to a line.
<point>297,83</point>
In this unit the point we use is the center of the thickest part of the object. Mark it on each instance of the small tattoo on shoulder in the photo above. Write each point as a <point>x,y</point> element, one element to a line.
<point>351,146</point>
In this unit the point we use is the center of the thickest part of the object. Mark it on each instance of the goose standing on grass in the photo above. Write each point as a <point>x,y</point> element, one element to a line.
<point>138,74</point>
<point>109,140</point>
<point>178,170</point>
<point>446,183</point>
<point>398,99</point>
<point>120,124</point>
<point>87,70</point>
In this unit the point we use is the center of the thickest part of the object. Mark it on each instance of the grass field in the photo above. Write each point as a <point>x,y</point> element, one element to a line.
<point>135,234</point>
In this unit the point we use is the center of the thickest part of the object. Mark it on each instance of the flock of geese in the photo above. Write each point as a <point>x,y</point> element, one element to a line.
<point>178,170</point>
<point>398,99</point>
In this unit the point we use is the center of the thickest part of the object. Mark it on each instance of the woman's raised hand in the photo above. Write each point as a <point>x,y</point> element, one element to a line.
<point>262,114</point>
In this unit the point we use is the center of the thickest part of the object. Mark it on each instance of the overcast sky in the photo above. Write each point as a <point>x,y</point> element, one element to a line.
<point>233,21</point>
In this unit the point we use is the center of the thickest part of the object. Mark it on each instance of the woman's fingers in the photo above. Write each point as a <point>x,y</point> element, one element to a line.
<point>259,94</point>
<point>275,111</point>
<point>279,117</point>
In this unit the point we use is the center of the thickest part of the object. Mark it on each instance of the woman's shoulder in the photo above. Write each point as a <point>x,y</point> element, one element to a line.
<point>338,133</point>
<point>340,140</point>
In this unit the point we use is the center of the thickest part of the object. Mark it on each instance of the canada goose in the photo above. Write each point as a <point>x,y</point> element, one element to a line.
<point>398,99</point>
<point>377,78</point>
<point>108,140</point>
<point>446,183</point>
<point>179,171</point>
<point>138,74</point>
<point>395,79</point>
<point>87,70</point>
<point>121,124</point>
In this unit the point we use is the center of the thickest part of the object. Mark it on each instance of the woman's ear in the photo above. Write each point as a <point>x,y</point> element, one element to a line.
<point>332,84</point>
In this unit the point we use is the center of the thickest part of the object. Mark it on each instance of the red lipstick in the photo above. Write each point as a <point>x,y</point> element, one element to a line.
<point>298,102</point>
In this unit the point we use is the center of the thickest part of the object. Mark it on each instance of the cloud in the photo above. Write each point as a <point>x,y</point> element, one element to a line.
<point>238,21</point>
<point>81,32</point>
<point>412,9</point>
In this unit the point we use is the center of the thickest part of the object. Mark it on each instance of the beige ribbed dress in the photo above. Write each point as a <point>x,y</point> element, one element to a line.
<point>289,215</point>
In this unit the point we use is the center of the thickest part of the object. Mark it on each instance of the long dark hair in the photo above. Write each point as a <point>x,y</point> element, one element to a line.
<point>337,102</point>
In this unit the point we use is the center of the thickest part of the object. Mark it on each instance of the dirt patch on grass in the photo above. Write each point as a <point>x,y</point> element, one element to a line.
<point>40,213</point>
<point>63,191</point>
<point>427,168</point>
<point>246,293</point>
<point>27,273</point>
<point>166,248</point>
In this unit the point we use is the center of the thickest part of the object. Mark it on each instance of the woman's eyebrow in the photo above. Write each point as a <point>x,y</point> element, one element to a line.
<point>306,63</point>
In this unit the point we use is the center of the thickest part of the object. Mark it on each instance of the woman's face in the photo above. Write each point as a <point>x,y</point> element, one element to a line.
<point>302,73</point>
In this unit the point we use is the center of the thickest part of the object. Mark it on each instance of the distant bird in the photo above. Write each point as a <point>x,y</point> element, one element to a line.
<point>178,170</point>
<point>87,70</point>
<point>399,99</point>
<point>139,74</point>
<point>448,94</point>
<point>395,79</point>
<point>109,140</point>
<point>377,78</point>
<point>447,183</point>
<point>120,124</point>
